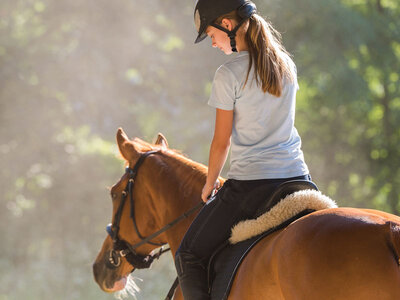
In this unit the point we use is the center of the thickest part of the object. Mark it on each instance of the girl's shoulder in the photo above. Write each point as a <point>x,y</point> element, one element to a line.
<point>236,66</point>
<point>239,59</point>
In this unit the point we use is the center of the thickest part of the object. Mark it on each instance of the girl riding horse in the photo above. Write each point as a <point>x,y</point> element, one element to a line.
<point>254,94</point>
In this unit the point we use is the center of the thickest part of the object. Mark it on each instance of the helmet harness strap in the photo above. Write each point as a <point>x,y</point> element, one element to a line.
<point>231,33</point>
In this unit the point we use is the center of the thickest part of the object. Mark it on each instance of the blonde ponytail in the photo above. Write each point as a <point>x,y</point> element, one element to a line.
<point>267,55</point>
<point>270,59</point>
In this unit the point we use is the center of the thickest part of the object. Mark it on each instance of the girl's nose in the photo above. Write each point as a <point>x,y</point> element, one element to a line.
<point>214,44</point>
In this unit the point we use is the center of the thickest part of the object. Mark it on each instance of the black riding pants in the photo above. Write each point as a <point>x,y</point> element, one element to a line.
<point>237,200</point>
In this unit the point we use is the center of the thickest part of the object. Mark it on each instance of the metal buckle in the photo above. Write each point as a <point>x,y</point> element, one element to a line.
<point>114,256</point>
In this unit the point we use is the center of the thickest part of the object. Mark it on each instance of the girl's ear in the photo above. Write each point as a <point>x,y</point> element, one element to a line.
<point>227,23</point>
<point>126,147</point>
<point>161,141</point>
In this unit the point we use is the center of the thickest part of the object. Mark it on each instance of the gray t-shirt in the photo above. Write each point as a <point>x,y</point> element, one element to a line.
<point>265,143</point>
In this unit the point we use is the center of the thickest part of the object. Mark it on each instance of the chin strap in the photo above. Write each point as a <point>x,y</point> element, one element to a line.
<point>231,33</point>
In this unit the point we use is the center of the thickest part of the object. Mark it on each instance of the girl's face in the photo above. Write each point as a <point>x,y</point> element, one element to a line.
<point>220,39</point>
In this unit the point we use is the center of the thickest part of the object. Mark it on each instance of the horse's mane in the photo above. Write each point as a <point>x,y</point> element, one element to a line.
<point>180,160</point>
<point>143,146</point>
<point>190,174</point>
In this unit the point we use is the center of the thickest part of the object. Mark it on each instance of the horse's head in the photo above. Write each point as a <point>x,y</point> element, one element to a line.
<point>125,247</point>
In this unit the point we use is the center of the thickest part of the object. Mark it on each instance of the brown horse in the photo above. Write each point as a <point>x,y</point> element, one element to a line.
<point>339,253</point>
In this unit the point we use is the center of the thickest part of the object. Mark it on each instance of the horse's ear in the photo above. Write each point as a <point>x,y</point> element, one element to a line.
<point>161,141</point>
<point>121,136</point>
<point>126,146</point>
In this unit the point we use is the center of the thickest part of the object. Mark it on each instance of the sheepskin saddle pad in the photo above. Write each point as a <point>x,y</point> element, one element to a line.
<point>225,262</point>
<point>287,208</point>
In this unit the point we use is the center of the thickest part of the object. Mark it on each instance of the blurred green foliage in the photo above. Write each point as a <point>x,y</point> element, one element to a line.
<point>72,72</point>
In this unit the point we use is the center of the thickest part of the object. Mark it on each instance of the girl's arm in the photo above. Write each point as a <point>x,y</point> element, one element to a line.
<point>218,150</point>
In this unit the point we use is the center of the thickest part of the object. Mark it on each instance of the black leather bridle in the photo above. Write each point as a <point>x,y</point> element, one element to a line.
<point>122,248</point>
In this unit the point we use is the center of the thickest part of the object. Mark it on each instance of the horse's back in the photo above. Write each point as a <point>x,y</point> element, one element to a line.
<point>341,253</point>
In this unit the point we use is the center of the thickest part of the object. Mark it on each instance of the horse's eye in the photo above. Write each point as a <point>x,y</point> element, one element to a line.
<point>113,195</point>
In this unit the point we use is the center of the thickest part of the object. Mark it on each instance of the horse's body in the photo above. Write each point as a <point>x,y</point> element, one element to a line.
<point>342,253</point>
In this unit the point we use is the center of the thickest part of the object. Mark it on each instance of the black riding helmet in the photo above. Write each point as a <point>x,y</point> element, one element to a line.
<point>207,11</point>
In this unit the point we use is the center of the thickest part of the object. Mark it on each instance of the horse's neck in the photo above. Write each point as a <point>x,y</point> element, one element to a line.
<point>179,191</point>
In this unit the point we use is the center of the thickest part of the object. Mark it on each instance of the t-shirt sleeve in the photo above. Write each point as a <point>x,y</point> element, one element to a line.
<point>223,89</point>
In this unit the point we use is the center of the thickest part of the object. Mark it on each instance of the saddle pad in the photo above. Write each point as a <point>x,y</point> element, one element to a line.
<point>288,207</point>
<point>226,260</point>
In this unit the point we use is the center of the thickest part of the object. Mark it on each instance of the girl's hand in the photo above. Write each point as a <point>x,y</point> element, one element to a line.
<point>208,189</point>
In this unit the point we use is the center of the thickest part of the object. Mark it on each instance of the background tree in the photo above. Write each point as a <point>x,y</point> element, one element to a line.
<point>72,72</point>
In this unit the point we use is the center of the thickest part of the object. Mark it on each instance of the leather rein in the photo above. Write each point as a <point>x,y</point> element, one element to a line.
<point>122,248</point>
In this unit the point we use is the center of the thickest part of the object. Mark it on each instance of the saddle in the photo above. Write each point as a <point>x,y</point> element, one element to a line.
<point>290,201</point>
<point>226,260</point>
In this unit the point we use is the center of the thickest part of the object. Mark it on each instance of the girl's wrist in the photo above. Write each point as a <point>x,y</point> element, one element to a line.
<point>210,182</point>
<point>213,183</point>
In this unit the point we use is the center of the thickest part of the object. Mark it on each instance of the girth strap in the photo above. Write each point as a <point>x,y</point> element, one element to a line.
<point>172,289</point>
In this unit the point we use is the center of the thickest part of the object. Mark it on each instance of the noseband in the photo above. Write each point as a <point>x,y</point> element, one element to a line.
<point>122,248</point>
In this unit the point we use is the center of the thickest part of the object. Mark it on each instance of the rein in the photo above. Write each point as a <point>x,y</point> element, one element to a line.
<point>124,249</point>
